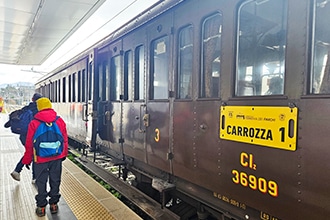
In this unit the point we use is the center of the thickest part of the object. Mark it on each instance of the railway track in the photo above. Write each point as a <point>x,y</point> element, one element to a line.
<point>108,170</point>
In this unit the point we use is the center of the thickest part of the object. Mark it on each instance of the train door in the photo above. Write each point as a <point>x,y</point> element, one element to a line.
<point>109,71</point>
<point>196,108</point>
<point>134,106</point>
<point>89,108</point>
<point>80,109</point>
<point>158,113</point>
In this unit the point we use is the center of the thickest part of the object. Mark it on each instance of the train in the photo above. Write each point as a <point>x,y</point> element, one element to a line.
<point>218,104</point>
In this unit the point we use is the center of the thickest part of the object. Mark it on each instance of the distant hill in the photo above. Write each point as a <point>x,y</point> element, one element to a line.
<point>25,84</point>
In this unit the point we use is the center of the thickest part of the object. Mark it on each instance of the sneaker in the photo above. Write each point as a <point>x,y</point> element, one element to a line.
<point>53,208</point>
<point>16,175</point>
<point>40,211</point>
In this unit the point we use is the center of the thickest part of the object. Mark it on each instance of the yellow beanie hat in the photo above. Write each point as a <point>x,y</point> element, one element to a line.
<point>43,103</point>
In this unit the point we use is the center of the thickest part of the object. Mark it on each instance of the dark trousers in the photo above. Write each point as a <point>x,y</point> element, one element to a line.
<point>22,138</point>
<point>43,171</point>
<point>20,166</point>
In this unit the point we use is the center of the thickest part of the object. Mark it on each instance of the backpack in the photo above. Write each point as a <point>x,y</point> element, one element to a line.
<point>48,140</point>
<point>20,120</point>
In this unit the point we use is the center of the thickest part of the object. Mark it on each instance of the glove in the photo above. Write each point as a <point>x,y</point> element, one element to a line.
<point>27,166</point>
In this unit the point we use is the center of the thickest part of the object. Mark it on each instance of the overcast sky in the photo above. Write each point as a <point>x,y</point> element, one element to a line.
<point>99,25</point>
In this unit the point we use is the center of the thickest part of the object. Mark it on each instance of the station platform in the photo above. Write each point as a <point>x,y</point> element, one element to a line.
<point>82,197</point>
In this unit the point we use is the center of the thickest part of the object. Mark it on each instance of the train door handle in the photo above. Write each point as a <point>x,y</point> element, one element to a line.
<point>146,120</point>
<point>141,118</point>
<point>108,115</point>
<point>85,112</point>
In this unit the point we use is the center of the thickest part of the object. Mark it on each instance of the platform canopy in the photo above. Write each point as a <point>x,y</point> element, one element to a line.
<point>31,30</point>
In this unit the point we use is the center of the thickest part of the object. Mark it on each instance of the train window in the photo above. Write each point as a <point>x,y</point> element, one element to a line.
<point>106,75</point>
<point>107,79</point>
<point>56,91</point>
<point>64,90</point>
<point>128,76</point>
<point>54,95</point>
<point>261,48</point>
<point>47,90</point>
<point>185,63</point>
<point>159,68</point>
<point>139,73</point>
<point>59,90</point>
<point>102,82</point>
<point>51,88</point>
<point>74,87</point>
<point>90,81</point>
<point>53,92</point>
<point>115,78</point>
<point>83,86</point>
<point>79,86</point>
<point>211,46</point>
<point>70,88</point>
<point>320,79</point>
<point>103,79</point>
<point>43,90</point>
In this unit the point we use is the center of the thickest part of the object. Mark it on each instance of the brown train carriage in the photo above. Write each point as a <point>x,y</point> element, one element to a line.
<point>219,103</point>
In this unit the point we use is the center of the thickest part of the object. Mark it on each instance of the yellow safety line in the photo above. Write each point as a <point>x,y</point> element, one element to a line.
<point>81,202</point>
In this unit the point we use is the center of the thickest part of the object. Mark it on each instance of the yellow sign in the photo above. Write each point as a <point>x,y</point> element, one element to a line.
<point>268,126</point>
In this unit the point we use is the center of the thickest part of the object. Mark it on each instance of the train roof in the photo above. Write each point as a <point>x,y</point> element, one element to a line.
<point>137,21</point>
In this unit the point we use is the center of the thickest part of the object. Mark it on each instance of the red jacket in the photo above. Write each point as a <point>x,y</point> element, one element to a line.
<point>46,115</point>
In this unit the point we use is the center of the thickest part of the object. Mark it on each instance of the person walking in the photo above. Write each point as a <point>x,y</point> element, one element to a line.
<point>46,168</point>
<point>22,136</point>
